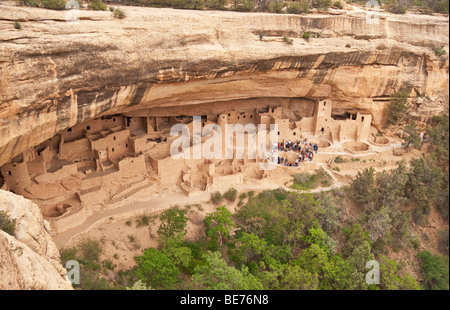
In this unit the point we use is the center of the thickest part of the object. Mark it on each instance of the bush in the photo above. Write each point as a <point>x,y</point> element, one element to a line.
<point>340,160</point>
<point>216,4</point>
<point>91,250</point>
<point>97,5</point>
<point>7,224</point>
<point>244,5</point>
<point>54,4</point>
<point>32,3</point>
<point>396,7</point>
<point>439,51</point>
<point>17,25</point>
<point>288,40</point>
<point>143,220</point>
<point>323,4</point>
<point>294,8</point>
<point>276,6</point>
<point>434,270</point>
<point>338,4</point>
<point>231,194</point>
<point>306,35</point>
<point>216,198</point>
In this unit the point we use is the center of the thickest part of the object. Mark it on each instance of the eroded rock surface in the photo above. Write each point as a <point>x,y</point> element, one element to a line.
<point>54,74</point>
<point>30,259</point>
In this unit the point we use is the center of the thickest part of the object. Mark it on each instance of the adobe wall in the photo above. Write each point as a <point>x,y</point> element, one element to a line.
<point>60,174</point>
<point>16,174</point>
<point>115,143</point>
<point>131,166</point>
<point>224,181</point>
<point>168,169</point>
<point>75,150</point>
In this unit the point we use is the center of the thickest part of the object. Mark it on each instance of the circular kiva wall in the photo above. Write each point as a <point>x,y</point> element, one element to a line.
<point>356,146</point>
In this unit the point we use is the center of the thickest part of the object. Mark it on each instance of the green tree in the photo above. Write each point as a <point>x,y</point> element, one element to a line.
<point>180,255</point>
<point>411,136</point>
<point>424,183</point>
<point>219,224</point>
<point>7,224</point>
<point>217,275</point>
<point>397,108</point>
<point>156,269</point>
<point>244,5</point>
<point>295,278</point>
<point>173,223</point>
<point>323,4</point>
<point>434,270</point>
<point>216,4</point>
<point>362,187</point>
<point>391,278</point>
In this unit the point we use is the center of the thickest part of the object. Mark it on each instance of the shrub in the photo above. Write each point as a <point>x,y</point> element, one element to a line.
<point>54,4</point>
<point>435,270</point>
<point>216,198</point>
<point>32,3</point>
<point>340,160</point>
<point>7,224</point>
<point>338,4</point>
<point>294,8</point>
<point>306,35</point>
<point>323,4</point>
<point>439,51</point>
<point>216,4</point>
<point>111,9</point>
<point>17,25</point>
<point>261,34</point>
<point>276,6</point>
<point>230,194</point>
<point>288,40</point>
<point>396,7</point>
<point>98,5</point>
<point>244,5</point>
<point>91,250</point>
<point>68,254</point>
<point>143,220</point>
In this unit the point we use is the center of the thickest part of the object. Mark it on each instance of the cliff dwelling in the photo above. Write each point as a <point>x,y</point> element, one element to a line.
<point>99,160</point>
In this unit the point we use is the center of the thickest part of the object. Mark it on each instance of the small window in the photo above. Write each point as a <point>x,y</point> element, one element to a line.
<point>278,133</point>
<point>126,145</point>
<point>294,133</point>
<point>324,103</point>
<point>114,119</point>
<point>9,173</point>
<point>322,130</point>
<point>114,137</point>
<point>326,120</point>
<point>88,127</point>
<point>112,149</point>
<point>229,114</point>
<point>251,116</point>
<point>244,116</point>
<point>273,110</point>
<point>239,117</point>
<point>362,118</point>
<point>69,130</point>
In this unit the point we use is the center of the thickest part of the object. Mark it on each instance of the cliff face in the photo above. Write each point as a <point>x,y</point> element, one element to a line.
<point>54,74</point>
<point>30,259</point>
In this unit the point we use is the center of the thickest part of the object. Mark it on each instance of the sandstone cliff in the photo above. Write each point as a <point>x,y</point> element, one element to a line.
<point>54,74</point>
<point>30,259</point>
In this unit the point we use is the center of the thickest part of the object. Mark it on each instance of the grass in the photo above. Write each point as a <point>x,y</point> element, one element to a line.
<point>17,25</point>
<point>306,35</point>
<point>439,51</point>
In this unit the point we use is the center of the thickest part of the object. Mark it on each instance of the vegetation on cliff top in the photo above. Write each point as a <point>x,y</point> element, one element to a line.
<point>274,6</point>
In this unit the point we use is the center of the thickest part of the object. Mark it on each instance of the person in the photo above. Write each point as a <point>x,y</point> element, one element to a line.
<point>279,160</point>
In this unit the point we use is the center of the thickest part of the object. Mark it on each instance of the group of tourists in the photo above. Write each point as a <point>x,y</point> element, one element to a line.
<point>303,148</point>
